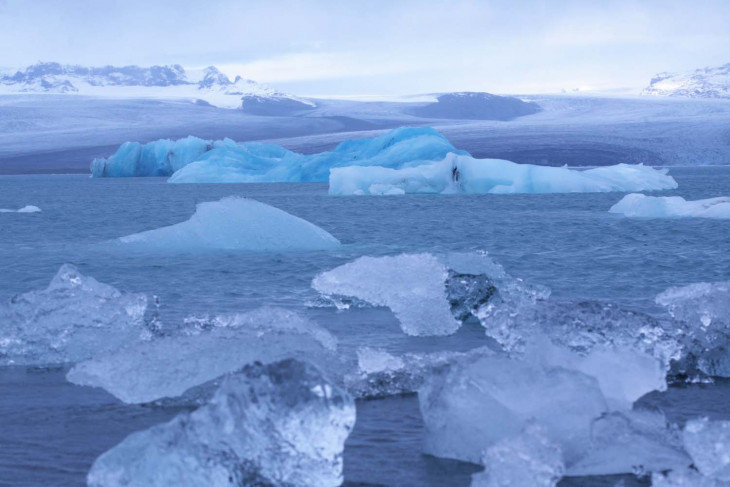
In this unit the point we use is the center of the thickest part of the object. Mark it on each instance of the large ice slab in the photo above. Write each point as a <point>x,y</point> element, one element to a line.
<point>277,424</point>
<point>528,459</point>
<point>641,206</point>
<point>473,404</point>
<point>236,223</point>
<point>205,350</point>
<point>74,318</point>
<point>708,443</point>
<point>465,174</point>
<point>193,160</point>
<point>411,285</point>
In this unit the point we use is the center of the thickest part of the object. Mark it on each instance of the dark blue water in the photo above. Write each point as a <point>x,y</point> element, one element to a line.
<point>50,431</point>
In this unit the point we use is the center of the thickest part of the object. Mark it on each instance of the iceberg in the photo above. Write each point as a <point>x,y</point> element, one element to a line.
<point>465,174</point>
<point>529,459</point>
<point>25,209</point>
<point>411,285</point>
<point>194,160</point>
<point>236,224</point>
<point>189,361</point>
<point>641,206</point>
<point>73,319</point>
<point>277,424</point>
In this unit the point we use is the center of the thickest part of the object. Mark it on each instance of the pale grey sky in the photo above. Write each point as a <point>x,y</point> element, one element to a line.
<point>381,47</point>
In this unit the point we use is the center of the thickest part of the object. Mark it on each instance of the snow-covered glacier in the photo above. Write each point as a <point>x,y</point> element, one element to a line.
<point>74,318</point>
<point>279,424</point>
<point>235,223</point>
<point>465,174</point>
<point>193,160</point>
<point>641,206</point>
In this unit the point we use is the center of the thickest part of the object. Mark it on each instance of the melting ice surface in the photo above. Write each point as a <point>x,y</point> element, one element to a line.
<point>202,351</point>
<point>277,424</point>
<point>74,318</point>
<point>465,174</point>
<point>236,223</point>
<point>642,206</point>
<point>194,160</point>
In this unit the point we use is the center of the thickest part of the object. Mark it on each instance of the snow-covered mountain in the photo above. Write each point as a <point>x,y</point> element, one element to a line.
<point>700,83</point>
<point>173,81</point>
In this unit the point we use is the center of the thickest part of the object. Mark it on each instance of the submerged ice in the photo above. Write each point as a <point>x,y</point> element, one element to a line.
<point>280,424</point>
<point>74,318</point>
<point>642,206</point>
<point>465,174</point>
<point>236,223</point>
<point>201,352</point>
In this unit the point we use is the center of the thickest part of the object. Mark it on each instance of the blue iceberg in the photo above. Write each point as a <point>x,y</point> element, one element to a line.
<point>194,160</point>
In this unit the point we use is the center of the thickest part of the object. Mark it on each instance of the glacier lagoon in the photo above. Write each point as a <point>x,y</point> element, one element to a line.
<point>53,430</point>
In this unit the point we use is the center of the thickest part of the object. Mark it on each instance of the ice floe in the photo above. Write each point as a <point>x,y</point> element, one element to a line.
<point>641,206</point>
<point>236,224</point>
<point>189,361</point>
<point>465,174</point>
<point>74,318</point>
<point>25,209</point>
<point>277,424</point>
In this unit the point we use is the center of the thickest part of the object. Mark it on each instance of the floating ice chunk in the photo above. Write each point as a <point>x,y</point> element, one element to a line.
<point>74,318</point>
<point>529,459</point>
<point>382,374</point>
<point>411,285</point>
<point>639,441</point>
<point>685,478</point>
<point>468,292</point>
<point>464,174</point>
<point>642,206</point>
<point>708,443</point>
<point>170,366</point>
<point>277,424</point>
<point>236,223</point>
<point>702,314</point>
<point>25,209</point>
<point>475,403</point>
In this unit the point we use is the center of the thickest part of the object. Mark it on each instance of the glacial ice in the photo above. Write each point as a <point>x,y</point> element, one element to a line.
<point>708,443</point>
<point>472,404</point>
<point>702,317</point>
<point>464,174</point>
<point>194,160</point>
<point>638,441</point>
<point>528,459</point>
<point>642,206</point>
<point>207,348</point>
<point>25,209</point>
<point>278,424</point>
<point>74,318</point>
<point>411,285</point>
<point>685,478</point>
<point>236,223</point>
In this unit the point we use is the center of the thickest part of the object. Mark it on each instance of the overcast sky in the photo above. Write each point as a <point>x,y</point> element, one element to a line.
<point>381,47</point>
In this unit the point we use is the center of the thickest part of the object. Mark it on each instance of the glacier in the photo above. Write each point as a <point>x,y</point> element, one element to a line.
<point>194,160</point>
<point>465,174</point>
<point>204,349</point>
<point>641,206</point>
<point>73,319</point>
<point>280,424</point>
<point>235,223</point>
